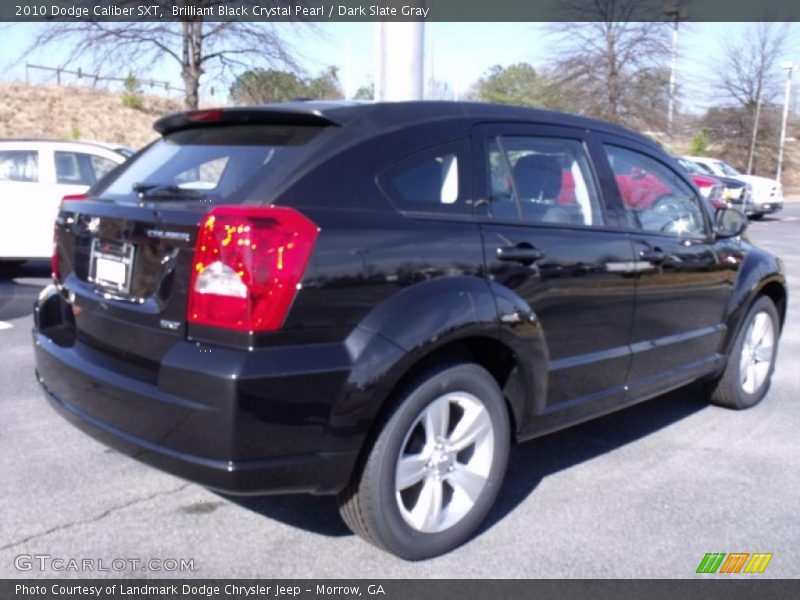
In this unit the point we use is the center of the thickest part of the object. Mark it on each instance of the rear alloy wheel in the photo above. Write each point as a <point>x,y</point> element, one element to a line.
<point>752,360</point>
<point>436,466</point>
<point>444,466</point>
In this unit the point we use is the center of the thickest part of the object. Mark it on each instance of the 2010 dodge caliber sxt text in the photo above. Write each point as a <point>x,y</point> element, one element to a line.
<point>375,300</point>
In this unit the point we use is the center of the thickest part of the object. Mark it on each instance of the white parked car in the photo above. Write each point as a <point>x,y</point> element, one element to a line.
<point>767,194</point>
<point>34,176</point>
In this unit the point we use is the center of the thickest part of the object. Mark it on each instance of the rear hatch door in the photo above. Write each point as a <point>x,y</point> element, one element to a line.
<point>125,254</point>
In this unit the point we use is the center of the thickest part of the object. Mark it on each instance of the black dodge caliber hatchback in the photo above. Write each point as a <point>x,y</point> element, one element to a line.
<point>375,300</point>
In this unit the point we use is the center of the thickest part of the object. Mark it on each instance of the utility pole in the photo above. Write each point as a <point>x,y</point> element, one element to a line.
<point>399,61</point>
<point>788,94</point>
<point>675,12</point>
<point>377,62</point>
<point>752,153</point>
<point>431,79</point>
<point>348,69</point>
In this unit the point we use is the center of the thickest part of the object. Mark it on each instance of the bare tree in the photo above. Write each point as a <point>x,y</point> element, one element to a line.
<point>609,49</point>
<point>730,129</point>
<point>263,86</point>
<point>201,48</point>
<point>749,72</point>
<point>436,89</point>
<point>522,85</point>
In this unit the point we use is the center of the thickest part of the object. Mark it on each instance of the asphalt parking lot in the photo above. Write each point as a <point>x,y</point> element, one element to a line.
<point>645,492</point>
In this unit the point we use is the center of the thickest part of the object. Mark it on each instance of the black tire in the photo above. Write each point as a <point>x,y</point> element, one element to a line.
<point>370,504</point>
<point>728,390</point>
<point>757,216</point>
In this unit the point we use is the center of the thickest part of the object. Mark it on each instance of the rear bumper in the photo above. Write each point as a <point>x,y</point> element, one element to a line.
<point>315,473</point>
<point>241,423</point>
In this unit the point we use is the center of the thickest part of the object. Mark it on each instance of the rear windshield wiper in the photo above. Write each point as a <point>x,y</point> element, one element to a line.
<point>166,192</point>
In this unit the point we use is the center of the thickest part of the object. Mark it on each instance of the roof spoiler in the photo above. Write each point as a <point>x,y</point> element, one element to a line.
<point>238,116</point>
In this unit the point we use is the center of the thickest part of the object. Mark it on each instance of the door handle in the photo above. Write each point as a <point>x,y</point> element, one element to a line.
<point>521,253</point>
<point>655,256</point>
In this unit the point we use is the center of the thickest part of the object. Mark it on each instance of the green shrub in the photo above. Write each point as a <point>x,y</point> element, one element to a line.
<point>132,94</point>
<point>699,143</point>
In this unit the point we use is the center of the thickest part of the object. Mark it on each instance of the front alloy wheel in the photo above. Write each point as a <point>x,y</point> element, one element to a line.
<point>757,350</point>
<point>751,362</point>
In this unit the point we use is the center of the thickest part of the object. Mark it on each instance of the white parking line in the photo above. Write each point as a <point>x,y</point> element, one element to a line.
<point>4,325</point>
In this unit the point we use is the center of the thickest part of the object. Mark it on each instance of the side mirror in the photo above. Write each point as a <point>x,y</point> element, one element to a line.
<point>729,223</point>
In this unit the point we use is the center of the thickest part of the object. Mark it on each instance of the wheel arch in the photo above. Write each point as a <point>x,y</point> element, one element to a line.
<point>761,274</point>
<point>450,319</point>
<point>776,291</point>
<point>491,353</point>
<point>487,351</point>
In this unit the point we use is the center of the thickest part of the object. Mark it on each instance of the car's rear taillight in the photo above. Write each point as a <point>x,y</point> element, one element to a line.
<point>74,197</point>
<point>247,267</point>
<point>717,204</point>
<point>715,197</point>
<point>704,184</point>
<point>69,197</point>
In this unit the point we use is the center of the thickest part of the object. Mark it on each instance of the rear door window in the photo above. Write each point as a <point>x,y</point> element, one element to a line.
<point>542,180</point>
<point>73,168</point>
<point>19,165</point>
<point>80,168</point>
<point>222,164</point>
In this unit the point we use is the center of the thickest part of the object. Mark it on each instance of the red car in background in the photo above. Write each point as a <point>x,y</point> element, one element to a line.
<point>641,189</point>
<point>711,188</point>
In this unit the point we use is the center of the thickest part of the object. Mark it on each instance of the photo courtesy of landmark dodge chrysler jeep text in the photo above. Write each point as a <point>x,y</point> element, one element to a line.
<point>375,300</point>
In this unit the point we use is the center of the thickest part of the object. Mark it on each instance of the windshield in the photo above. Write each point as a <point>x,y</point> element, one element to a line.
<point>214,164</point>
<point>727,169</point>
<point>702,168</point>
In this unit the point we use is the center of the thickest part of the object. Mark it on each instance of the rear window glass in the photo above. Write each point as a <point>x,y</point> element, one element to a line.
<point>19,165</point>
<point>433,180</point>
<point>101,166</point>
<point>216,164</point>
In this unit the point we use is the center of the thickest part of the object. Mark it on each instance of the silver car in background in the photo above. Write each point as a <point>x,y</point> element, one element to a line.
<point>767,193</point>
